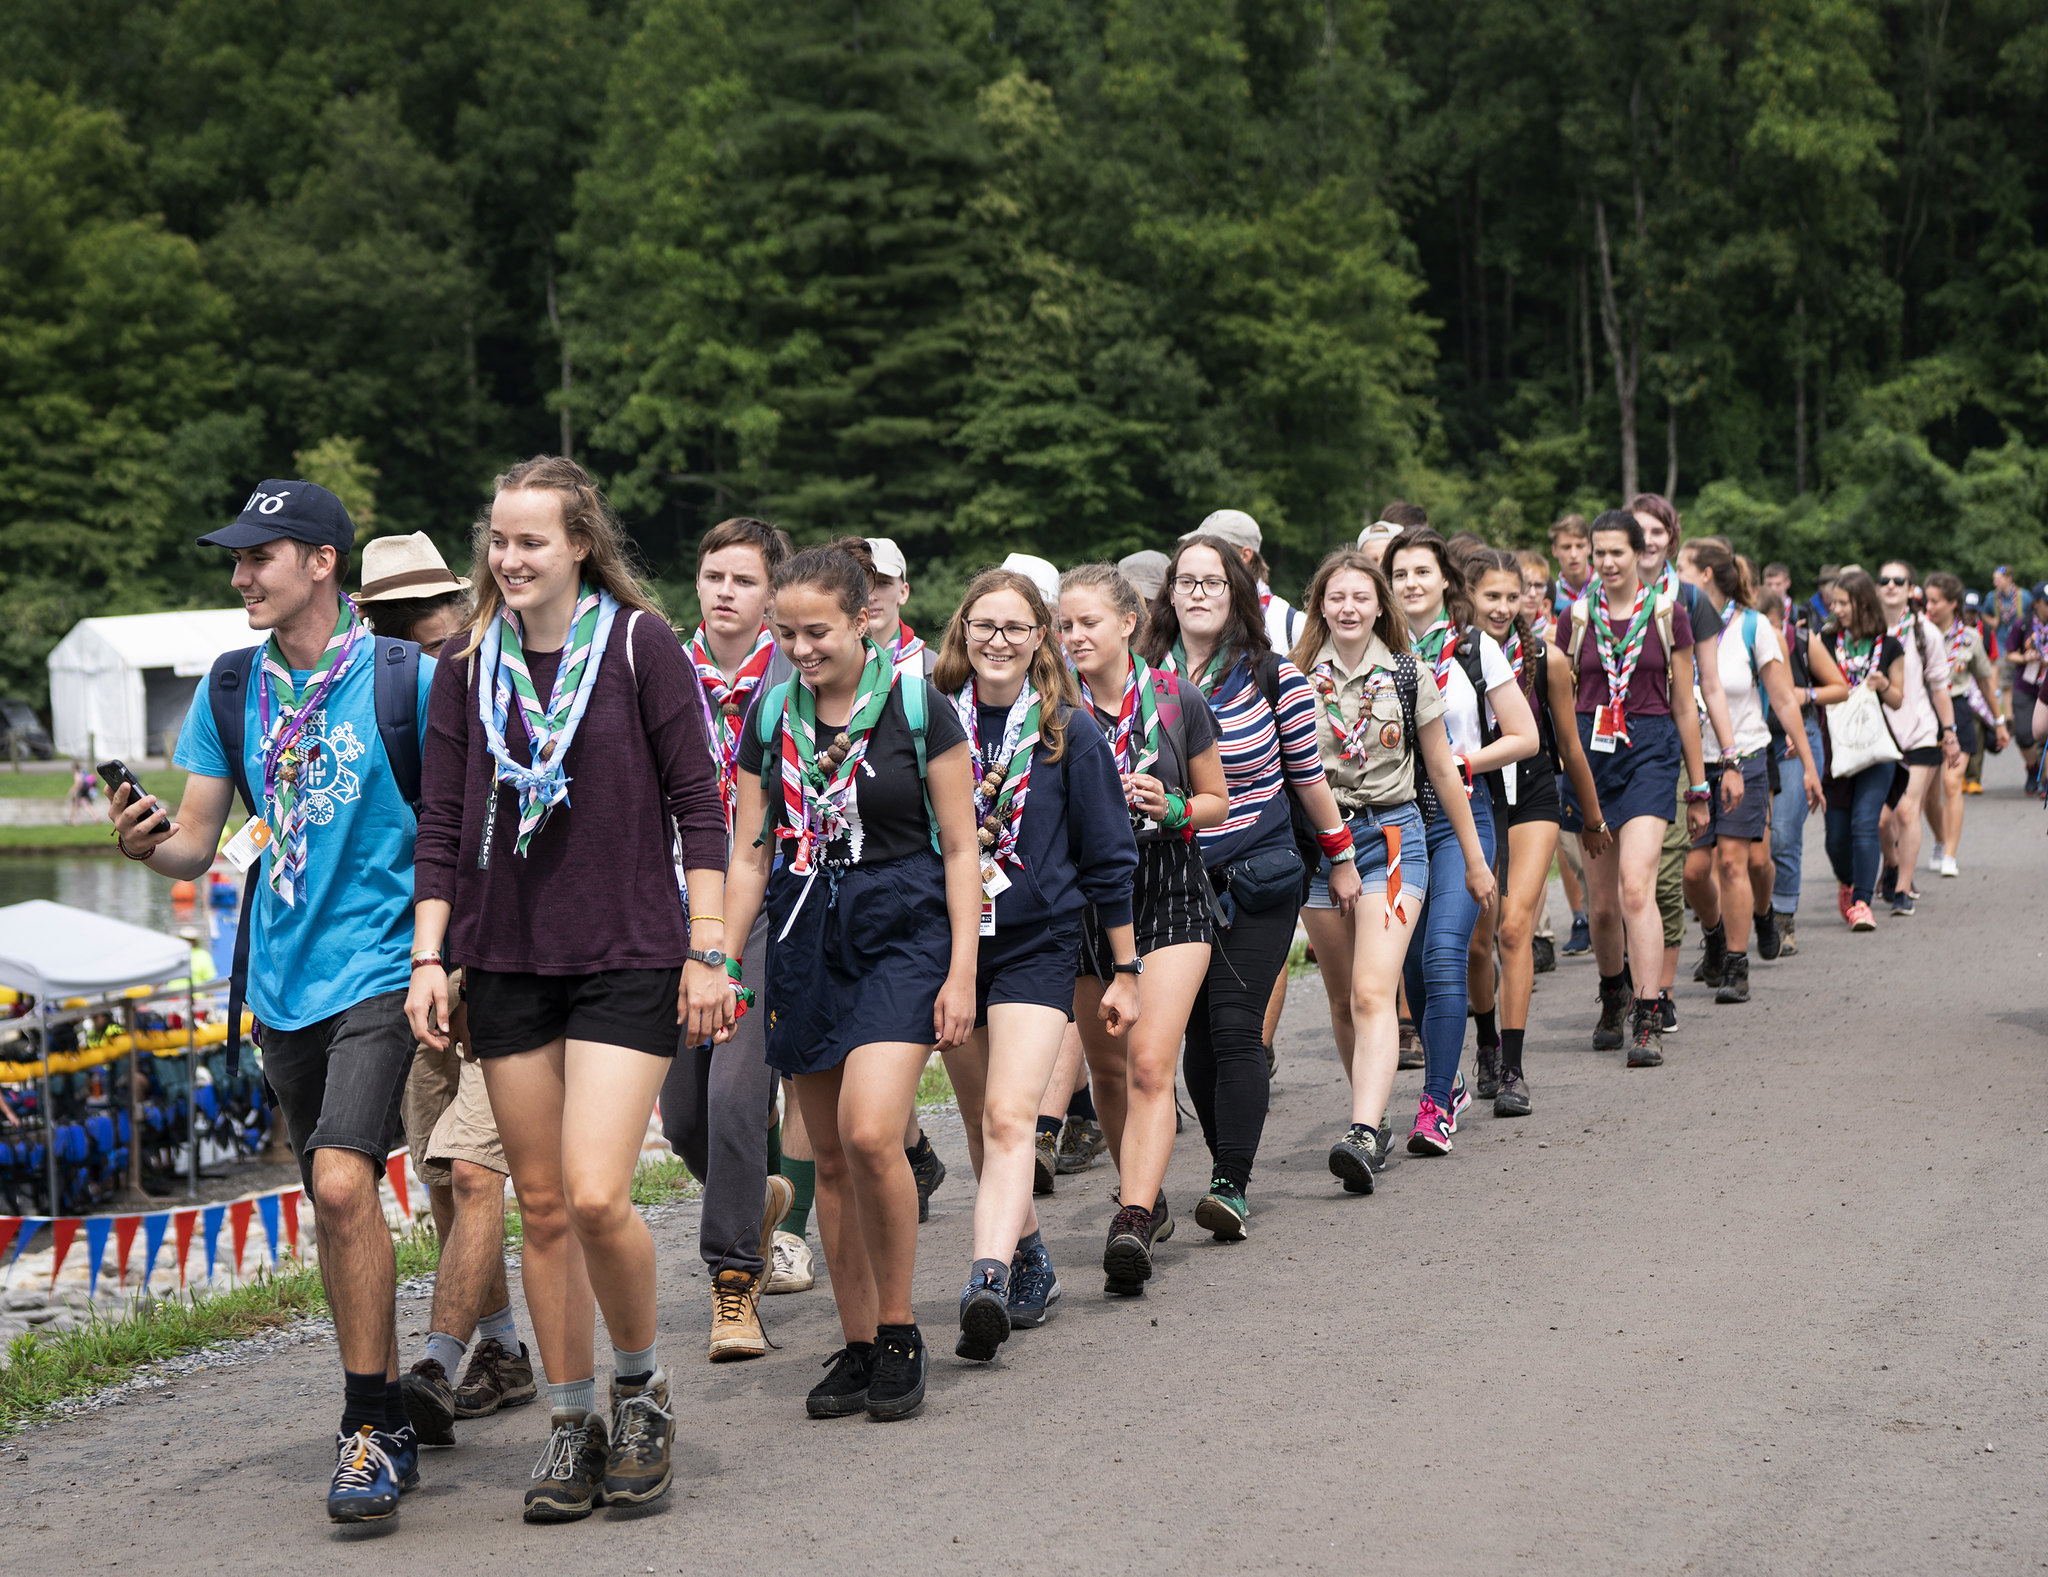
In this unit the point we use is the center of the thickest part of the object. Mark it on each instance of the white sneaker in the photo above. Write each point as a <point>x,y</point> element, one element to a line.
<point>1934,857</point>
<point>1948,865</point>
<point>791,1270</point>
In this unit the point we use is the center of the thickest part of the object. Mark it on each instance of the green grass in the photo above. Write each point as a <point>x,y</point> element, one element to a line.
<point>90,837</point>
<point>168,785</point>
<point>934,1088</point>
<point>664,1181</point>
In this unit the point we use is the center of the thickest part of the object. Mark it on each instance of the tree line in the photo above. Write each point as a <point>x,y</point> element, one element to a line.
<point>1053,275</point>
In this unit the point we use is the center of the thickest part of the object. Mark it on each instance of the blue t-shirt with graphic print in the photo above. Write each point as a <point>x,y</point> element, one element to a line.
<point>349,936</point>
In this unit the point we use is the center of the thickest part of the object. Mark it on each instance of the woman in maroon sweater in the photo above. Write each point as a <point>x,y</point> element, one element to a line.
<point>548,873</point>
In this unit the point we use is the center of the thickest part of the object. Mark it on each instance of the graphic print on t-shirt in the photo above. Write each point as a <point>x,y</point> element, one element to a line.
<point>328,780</point>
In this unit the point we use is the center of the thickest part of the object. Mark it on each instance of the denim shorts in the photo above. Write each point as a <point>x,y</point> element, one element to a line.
<point>1371,844</point>
<point>341,1082</point>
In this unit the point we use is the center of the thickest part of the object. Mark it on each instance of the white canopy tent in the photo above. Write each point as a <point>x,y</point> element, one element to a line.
<point>120,686</point>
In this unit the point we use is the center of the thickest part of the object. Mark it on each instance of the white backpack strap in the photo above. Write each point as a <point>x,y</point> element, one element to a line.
<point>632,667</point>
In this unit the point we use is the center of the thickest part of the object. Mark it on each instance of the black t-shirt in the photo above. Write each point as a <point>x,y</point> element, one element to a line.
<point>1706,621</point>
<point>885,808</point>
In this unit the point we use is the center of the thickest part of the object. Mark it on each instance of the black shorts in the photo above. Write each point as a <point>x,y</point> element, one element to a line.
<point>1028,964</point>
<point>635,1008</point>
<point>1536,796</point>
<point>340,1082</point>
<point>1170,899</point>
<point>1918,756</point>
<point>1966,728</point>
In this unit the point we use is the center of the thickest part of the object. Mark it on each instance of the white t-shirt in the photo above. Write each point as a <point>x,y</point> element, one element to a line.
<point>1283,623</point>
<point>1746,702</point>
<point>1461,706</point>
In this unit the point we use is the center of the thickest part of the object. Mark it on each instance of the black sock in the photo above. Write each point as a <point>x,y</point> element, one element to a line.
<point>394,1408</point>
<point>906,1334</point>
<point>1613,982</point>
<point>362,1401</point>
<point>1647,1005</point>
<point>1763,916</point>
<point>923,1147</point>
<point>1367,1132</point>
<point>1049,1125</point>
<point>1488,1034</point>
<point>1083,1103</point>
<point>1511,1050</point>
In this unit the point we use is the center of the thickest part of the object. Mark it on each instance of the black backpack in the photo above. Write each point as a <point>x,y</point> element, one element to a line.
<point>397,685</point>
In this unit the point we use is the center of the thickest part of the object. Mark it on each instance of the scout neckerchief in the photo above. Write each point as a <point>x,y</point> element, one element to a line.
<point>1005,776</point>
<point>906,646</point>
<point>1858,666</point>
<point>1134,740</point>
<point>502,675</point>
<point>1958,641</point>
<point>1511,648</point>
<point>1436,646</point>
<point>1619,650</point>
<point>282,713</point>
<point>1354,742</point>
<point>1210,680</point>
<point>729,707</point>
<point>815,783</point>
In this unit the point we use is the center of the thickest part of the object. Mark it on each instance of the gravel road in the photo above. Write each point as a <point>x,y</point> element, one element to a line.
<point>1774,1307</point>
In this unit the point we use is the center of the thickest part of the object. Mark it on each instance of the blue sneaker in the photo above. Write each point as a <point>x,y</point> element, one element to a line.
<point>367,1483</point>
<point>1581,939</point>
<point>403,1448</point>
<point>1034,1288</point>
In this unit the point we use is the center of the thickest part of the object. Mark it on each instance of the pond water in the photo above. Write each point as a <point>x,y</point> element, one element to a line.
<point>119,889</point>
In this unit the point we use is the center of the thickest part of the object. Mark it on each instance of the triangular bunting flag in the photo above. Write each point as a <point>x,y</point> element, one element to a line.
<point>290,1200</point>
<point>267,1208</point>
<point>124,1241</point>
<point>394,1168</point>
<point>30,1226</point>
<point>238,1222</point>
<point>96,1230</point>
<point>153,1230</point>
<point>215,1214</point>
<point>62,1231</point>
<point>185,1221</point>
<point>9,1225</point>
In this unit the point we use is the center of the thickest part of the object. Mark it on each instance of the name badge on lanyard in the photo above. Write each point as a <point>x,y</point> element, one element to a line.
<point>245,846</point>
<point>993,885</point>
<point>1606,726</point>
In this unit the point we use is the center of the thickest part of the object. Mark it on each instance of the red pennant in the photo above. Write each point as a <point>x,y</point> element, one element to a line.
<point>394,1168</point>
<point>9,1225</point>
<point>62,1231</point>
<point>290,1200</point>
<point>182,1222</point>
<point>124,1240</point>
<point>238,1223</point>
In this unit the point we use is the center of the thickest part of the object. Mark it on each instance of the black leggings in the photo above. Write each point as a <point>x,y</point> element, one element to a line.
<point>1226,1046</point>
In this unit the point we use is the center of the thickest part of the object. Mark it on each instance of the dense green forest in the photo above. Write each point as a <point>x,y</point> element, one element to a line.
<point>1060,275</point>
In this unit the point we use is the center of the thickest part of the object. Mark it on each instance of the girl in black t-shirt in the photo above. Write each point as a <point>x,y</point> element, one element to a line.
<point>1855,638</point>
<point>872,901</point>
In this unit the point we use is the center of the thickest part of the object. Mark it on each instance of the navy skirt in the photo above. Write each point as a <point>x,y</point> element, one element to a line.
<point>1636,779</point>
<point>861,965</point>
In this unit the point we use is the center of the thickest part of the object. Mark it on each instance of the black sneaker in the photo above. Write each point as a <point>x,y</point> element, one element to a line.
<point>1543,953</point>
<point>1614,1005</point>
<point>1667,1014</point>
<point>1888,883</point>
<point>1351,1159</point>
<point>844,1391</point>
<point>1581,939</point>
<point>494,1379</point>
<point>1734,980</point>
<point>429,1402</point>
<point>984,1318</point>
<point>896,1388</point>
<point>1127,1257</point>
<point>1513,1100</point>
<point>1646,1047</point>
<point>1902,903</point>
<point>929,1171</point>
<point>1489,1070</point>
<point>1768,941</point>
<point>1707,972</point>
<point>568,1480</point>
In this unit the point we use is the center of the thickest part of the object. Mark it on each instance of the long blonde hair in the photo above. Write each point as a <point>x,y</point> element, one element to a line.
<point>1049,673</point>
<point>587,517</point>
<point>1387,624</point>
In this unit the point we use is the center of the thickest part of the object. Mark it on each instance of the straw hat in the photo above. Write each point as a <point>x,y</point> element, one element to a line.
<point>405,567</point>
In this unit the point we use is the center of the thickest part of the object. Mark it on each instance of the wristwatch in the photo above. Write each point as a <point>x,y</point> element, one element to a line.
<point>713,958</point>
<point>1135,967</point>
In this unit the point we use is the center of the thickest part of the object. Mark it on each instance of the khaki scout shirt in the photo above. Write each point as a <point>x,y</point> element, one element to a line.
<point>1366,697</point>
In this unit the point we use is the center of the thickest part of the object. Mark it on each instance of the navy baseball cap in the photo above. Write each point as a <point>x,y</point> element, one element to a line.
<point>303,511</point>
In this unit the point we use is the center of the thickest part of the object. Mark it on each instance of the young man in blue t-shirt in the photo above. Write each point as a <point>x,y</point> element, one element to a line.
<point>331,928</point>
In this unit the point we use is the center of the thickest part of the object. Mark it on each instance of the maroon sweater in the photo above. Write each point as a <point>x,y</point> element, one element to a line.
<point>596,888</point>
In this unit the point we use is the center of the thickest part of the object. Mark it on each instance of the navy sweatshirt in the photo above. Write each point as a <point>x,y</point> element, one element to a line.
<point>1076,844</point>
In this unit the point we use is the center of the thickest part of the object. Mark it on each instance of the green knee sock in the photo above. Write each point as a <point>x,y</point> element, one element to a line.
<point>804,1174</point>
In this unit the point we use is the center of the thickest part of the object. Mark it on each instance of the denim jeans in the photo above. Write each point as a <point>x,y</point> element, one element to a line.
<point>1788,820</point>
<point>1853,847</point>
<point>1434,971</point>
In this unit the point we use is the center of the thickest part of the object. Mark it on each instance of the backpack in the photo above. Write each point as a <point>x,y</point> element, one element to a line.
<point>1661,614</point>
<point>396,687</point>
<point>768,715</point>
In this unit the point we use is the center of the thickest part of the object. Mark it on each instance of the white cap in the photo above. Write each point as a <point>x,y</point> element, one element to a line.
<point>1233,526</point>
<point>1379,531</point>
<point>1039,572</point>
<point>889,559</point>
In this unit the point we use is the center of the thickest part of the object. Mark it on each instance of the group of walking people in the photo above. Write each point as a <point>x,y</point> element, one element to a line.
<point>524,862</point>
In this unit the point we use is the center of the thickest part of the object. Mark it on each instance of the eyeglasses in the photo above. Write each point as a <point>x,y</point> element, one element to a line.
<point>1894,580</point>
<point>1205,586</point>
<point>986,630</point>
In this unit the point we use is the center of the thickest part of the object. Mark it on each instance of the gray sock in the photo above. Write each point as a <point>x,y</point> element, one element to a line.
<point>633,1368</point>
<point>447,1351</point>
<point>574,1396</point>
<point>500,1328</point>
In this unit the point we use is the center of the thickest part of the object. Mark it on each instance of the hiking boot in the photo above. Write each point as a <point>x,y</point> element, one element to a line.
<point>1223,1211</point>
<point>494,1379</point>
<point>844,1391</point>
<point>1707,971</point>
<point>1351,1159</point>
<point>643,1438</point>
<point>929,1171</point>
<point>1768,941</point>
<point>1614,1005</point>
<point>1045,1164</point>
<point>1431,1134</point>
<point>367,1480</point>
<point>1127,1256</point>
<point>1646,1038</point>
<point>1860,917</point>
<point>791,1268</point>
<point>1162,1219</point>
<point>568,1480</point>
<point>1034,1287</point>
<point>1788,936</point>
<point>984,1317</point>
<point>896,1387</point>
<point>1488,1059</point>
<point>1513,1100</point>
<point>776,1204</point>
<point>1411,1046</point>
<point>1581,939</point>
<point>429,1402</point>
<point>1080,1142</point>
<point>736,1317</point>
<point>1734,980</point>
<point>1667,1014</point>
<point>1543,953</point>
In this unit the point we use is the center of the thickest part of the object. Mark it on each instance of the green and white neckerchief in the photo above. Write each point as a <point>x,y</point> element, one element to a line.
<point>1213,673</point>
<point>1005,775</point>
<point>502,676</point>
<point>282,712</point>
<point>815,783</point>
<point>1859,657</point>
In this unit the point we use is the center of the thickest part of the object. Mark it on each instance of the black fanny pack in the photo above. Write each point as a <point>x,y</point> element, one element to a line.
<point>1261,882</point>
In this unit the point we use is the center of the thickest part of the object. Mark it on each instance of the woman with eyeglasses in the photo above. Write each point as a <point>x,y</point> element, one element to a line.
<point>1207,625</point>
<point>1925,727</point>
<point>1055,840</point>
<point>1859,639</point>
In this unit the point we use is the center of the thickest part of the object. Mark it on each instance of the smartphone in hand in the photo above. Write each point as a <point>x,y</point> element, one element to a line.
<point>114,774</point>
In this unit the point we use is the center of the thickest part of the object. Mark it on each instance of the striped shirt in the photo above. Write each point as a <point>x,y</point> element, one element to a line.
<point>1255,755</point>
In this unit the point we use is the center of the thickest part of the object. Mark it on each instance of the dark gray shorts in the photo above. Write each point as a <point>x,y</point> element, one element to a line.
<point>1752,818</point>
<point>340,1082</point>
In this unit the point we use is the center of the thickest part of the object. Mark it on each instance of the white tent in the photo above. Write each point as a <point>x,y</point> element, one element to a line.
<point>120,687</point>
<point>54,951</point>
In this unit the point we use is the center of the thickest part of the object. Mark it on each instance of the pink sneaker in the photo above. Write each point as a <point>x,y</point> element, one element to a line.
<point>1860,918</point>
<point>1432,1133</point>
<point>1845,896</point>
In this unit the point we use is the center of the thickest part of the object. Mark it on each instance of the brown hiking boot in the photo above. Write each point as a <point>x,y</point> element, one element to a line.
<point>495,1378</point>
<point>736,1317</point>
<point>568,1480</point>
<point>643,1437</point>
<point>775,1207</point>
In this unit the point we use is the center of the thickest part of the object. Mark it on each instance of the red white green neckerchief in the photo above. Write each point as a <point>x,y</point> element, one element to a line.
<point>1265,596</point>
<point>1005,776</point>
<point>1858,666</point>
<point>1134,740</point>
<point>1436,646</point>
<point>1511,648</point>
<point>1958,655</point>
<point>1354,740</point>
<point>815,783</point>
<point>282,713</point>
<point>729,707</point>
<point>1213,673</point>
<point>907,644</point>
<point>1620,648</point>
